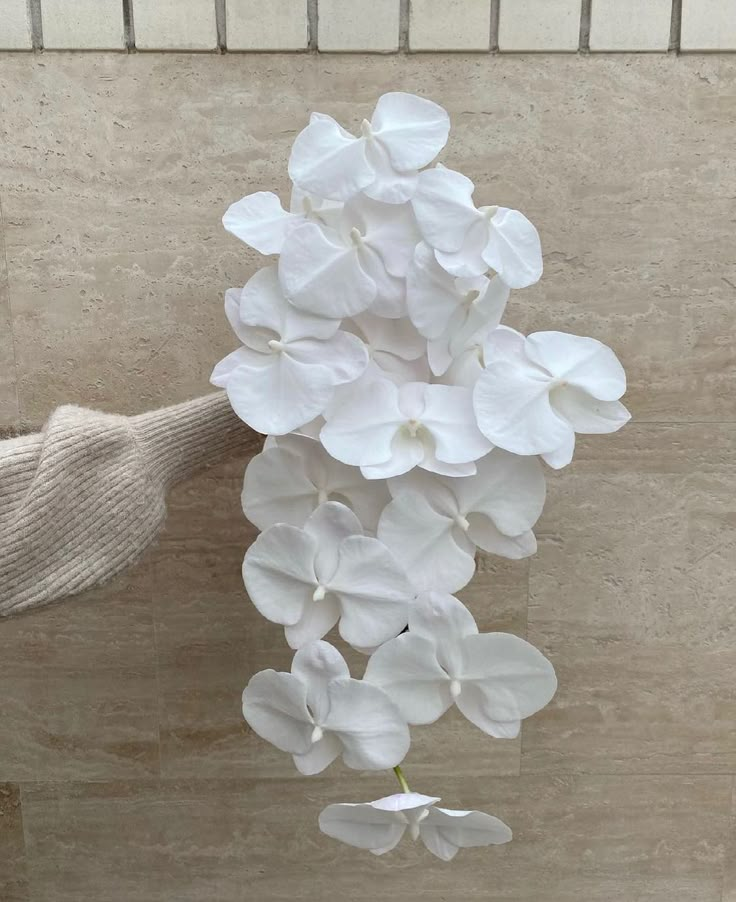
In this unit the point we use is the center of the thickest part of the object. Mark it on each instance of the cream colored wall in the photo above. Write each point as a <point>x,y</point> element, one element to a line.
<point>129,775</point>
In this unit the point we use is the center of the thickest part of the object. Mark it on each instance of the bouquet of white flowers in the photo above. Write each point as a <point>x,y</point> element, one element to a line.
<point>405,429</point>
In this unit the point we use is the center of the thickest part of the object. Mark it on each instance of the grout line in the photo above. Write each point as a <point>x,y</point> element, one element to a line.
<point>675,26</point>
<point>128,25</point>
<point>313,24</point>
<point>404,13</point>
<point>495,15</point>
<point>34,14</point>
<point>221,22</point>
<point>586,11</point>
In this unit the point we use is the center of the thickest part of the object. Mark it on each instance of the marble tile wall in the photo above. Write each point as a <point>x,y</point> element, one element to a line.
<point>126,771</point>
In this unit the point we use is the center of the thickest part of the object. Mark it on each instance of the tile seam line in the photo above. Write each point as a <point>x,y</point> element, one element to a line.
<point>153,779</point>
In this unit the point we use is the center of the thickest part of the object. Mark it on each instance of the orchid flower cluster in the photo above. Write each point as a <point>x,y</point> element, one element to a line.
<point>405,430</point>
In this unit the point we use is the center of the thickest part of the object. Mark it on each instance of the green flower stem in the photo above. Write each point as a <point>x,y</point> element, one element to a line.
<point>401,778</point>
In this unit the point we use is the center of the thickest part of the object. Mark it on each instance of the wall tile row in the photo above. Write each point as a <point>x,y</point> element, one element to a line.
<point>370,25</point>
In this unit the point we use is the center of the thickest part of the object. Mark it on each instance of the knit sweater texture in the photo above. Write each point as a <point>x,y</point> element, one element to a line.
<point>85,497</point>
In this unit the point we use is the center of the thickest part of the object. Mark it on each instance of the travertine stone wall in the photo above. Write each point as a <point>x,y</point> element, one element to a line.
<point>373,26</point>
<point>126,771</point>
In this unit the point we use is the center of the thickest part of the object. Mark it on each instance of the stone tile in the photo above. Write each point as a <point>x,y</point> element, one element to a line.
<point>278,25</point>
<point>630,596</point>
<point>82,25</point>
<point>708,25</point>
<point>598,838</point>
<point>175,24</point>
<point>453,25</point>
<point>79,699</point>
<point>16,30</point>
<point>630,25</point>
<point>9,412</point>
<point>539,25</point>
<point>344,26</point>
<point>13,875</point>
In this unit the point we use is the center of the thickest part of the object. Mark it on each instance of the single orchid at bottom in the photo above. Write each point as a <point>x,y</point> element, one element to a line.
<point>379,826</point>
<point>406,428</point>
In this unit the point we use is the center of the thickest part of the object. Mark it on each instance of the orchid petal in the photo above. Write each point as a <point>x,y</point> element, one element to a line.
<point>362,826</point>
<point>513,249</point>
<point>424,542</point>
<point>329,162</point>
<point>275,707</point>
<point>373,592</point>
<point>406,668</point>
<point>585,363</point>
<point>278,572</point>
<point>319,756</point>
<point>259,221</point>
<point>412,129</point>
<point>444,208</point>
<point>370,727</point>
<point>444,832</point>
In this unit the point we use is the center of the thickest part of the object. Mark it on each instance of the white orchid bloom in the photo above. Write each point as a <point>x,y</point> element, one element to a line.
<point>469,241</point>
<point>537,393</point>
<point>379,826</point>
<point>287,482</point>
<point>318,712</point>
<point>290,363</point>
<point>405,134</point>
<point>495,679</point>
<point>434,523</point>
<point>442,306</point>
<point>395,349</point>
<point>387,430</point>
<point>309,579</point>
<point>260,221</point>
<point>359,263</point>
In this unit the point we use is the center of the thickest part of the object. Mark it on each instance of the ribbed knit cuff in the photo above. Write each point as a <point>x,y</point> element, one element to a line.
<point>177,441</point>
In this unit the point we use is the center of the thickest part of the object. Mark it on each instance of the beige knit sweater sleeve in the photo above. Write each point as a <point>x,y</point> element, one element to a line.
<point>84,498</point>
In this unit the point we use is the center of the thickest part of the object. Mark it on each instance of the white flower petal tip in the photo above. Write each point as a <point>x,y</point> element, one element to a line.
<point>534,400</point>
<point>318,712</point>
<point>380,825</point>
<point>286,372</point>
<point>495,679</point>
<point>405,134</point>
<point>468,241</point>
<point>325,573</point>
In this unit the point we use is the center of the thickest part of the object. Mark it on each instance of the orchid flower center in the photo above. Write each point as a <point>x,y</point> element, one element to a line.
<point>356,237</point>
<point>471,298</point>
<point>317,734</point>
<point>455,688</point>
<point>462,522</point>
<point>365,129</point>
<point>322,496</point>
<point>489,212</point>
<point>558,383</point>
<point>307,207</point>
<point>414,819</point>
<point>413,426</point>
<point>319,593</point>
<point>276,346</point>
